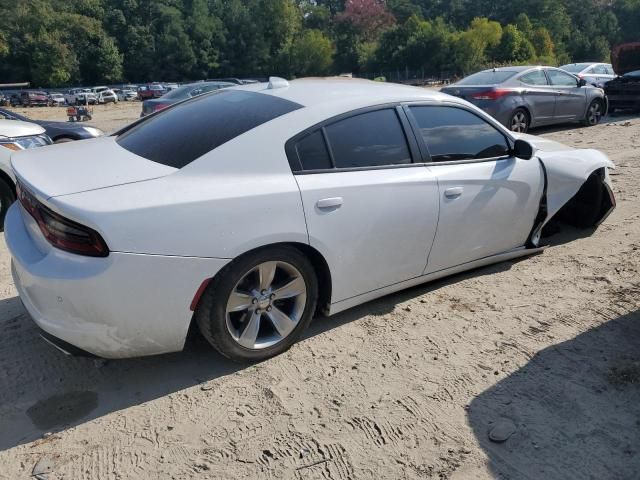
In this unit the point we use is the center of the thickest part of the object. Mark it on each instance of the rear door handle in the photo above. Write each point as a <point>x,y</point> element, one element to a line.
<point>453,192</point>
<point>326,203</point>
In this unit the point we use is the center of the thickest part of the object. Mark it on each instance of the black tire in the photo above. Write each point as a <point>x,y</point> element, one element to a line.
<point>210,313</point>
<point>7,197</point>
<point>520,121</point>
<point>594,114</point>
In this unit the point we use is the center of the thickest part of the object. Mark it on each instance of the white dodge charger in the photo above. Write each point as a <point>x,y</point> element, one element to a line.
<point>248,210</point>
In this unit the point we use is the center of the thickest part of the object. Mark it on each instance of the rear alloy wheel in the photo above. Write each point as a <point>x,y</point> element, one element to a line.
<point>519,121</point>
<point>259,305</point>
<point>594,113</point>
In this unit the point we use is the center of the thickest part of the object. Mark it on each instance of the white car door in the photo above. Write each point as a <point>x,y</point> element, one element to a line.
<point>489,200</point>
<point>370,211</point>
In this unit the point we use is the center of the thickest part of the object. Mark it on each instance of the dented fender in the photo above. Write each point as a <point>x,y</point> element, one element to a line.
<point>567,171</point>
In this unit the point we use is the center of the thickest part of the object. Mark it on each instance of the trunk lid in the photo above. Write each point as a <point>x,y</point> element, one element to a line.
<point>625,58</point>
<point>75,167</point>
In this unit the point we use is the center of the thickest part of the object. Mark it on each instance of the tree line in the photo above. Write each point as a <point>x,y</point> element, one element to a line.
<point>54,43</point>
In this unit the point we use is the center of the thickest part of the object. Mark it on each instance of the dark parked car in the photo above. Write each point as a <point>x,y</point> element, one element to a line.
<point>181,93</point>
<point>58,131</point>
<point>624,92</point>
<point>34,99</point>
<point>523,97</point>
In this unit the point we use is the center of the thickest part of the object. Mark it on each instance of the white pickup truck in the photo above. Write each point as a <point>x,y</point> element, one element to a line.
<point>80,96</point>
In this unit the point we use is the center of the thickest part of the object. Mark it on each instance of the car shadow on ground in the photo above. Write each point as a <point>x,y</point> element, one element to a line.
<point>574,408</point>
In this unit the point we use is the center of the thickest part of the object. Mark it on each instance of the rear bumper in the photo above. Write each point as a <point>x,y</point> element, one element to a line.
<point>124,305</point>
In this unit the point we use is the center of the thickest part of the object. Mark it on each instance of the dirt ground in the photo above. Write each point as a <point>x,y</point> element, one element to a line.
<point>409,386</point>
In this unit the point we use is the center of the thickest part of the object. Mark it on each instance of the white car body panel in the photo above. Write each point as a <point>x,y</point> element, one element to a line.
<point>171,230</point>
<point>133,315</point>
<point>388,218</point>
<point>497,203</point>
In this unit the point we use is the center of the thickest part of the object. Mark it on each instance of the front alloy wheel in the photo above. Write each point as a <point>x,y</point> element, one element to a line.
<point>594,113</point>
<point>259,304</point>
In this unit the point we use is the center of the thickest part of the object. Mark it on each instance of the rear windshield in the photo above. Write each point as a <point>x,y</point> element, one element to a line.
<point>635,73</point>
<point>574,67</point>
<point>178,135</point>
<point>487,78</point>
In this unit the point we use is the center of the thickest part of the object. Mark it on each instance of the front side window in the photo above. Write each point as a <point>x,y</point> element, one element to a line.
<point>561,79</point>
<point>537,77</point>
<point>600,70</point>
<point>178,135</point>
<point>368,140</point>
<point>452,133</point>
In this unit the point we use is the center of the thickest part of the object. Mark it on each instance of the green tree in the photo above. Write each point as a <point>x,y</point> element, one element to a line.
<point>311,54</point>
<point>514,46</point>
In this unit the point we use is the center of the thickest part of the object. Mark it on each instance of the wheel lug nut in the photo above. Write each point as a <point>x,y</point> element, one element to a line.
<point>272,296</point>
<point>269,308</point>
<point>258,311</point>
<point>263,292</point>
<point>254,301</point>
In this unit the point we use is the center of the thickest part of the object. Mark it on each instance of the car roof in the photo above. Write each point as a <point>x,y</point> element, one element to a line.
<point>344,94</point>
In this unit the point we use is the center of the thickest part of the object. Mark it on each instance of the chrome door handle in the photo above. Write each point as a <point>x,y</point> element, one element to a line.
<point>453,192</point>
<point>334,202</point>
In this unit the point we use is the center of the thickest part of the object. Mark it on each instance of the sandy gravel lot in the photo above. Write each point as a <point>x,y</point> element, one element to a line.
<point>405,387</point>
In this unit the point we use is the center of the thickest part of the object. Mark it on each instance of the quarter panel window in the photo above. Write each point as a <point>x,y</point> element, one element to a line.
<point>561,79</point>
<point>312,152</point>
<point>368,140</point>
<point>455,134</point>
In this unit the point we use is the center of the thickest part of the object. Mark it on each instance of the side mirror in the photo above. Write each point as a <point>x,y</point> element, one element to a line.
<point>582,82</point>
<point>522,149</point>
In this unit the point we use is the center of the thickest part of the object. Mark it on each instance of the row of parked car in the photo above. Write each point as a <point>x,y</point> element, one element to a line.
<point>523,97</point>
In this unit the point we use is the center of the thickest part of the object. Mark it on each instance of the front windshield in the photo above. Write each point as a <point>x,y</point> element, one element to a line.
<point>574,67</point>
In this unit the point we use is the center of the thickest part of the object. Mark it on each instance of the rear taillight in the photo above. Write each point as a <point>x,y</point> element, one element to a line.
<point>159,106</point>
<point>494,94</point>
<point>61,232</point>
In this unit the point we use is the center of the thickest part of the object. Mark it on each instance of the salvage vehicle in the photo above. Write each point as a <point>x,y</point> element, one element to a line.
<point>15,136</point>
<point>182,93</point>
<point>33,99</point>
<point>523,97</point>
<point>247,210</point>
<point>80,96</point>
<point>624,91</point>
<point>596,74</point>
<point>105,95</point>
<point>59,132</point>
<point>125,95</point>
<point>56,99</point>
<point>151,90</point>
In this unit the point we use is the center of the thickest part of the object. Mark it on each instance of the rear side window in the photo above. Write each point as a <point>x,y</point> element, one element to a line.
<point>455,134</point>
<point>312,152</point>
<point>537,77</point>
<point>490,77</point>
<point>368,140</point>
<point>179,135</point>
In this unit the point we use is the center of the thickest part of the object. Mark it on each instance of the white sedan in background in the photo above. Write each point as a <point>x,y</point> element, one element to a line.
<point>250,209</point>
